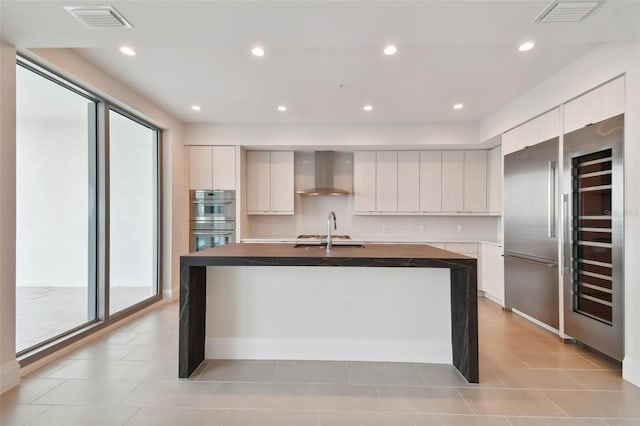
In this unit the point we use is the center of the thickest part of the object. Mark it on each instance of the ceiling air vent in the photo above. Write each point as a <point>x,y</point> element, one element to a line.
<point>98,16</point>
<point>567,11</point>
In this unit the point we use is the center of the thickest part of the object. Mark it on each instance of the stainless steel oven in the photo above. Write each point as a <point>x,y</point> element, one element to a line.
<point>212,219</point>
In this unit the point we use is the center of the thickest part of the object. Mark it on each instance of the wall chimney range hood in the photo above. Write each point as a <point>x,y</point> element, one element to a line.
<point>325,170</point>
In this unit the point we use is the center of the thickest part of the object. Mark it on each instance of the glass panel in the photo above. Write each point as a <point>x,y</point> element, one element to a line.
<point>132,212</point>
<point>592,250</point>
<point>55,145</point>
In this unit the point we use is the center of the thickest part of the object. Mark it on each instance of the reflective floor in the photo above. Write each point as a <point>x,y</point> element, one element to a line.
<point>528,378</point>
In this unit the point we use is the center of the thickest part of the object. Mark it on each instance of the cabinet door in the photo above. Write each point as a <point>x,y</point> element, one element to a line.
<point>223,170</point>
<point>409,181</point>
<point>452,181</point>
<point>364,181</point>
<point>431,181</point>
<point>600,103</point>
<point>258,182</point>
<point>200,168</point>
<point>495,180</point>
<point>282,180</point>
<point>387,181</point>
<point>491,272</point>
<point>475,181</point>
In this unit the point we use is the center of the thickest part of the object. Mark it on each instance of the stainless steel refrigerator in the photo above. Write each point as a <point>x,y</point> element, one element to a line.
<point>530,237</point>
<point>593,240</point>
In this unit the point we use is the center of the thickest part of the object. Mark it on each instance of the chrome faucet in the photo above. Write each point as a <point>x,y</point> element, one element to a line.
<point>332,215</point>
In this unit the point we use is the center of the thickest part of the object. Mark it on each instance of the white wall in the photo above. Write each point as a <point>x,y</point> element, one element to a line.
<point>600,65</point>
<point>9,367</point>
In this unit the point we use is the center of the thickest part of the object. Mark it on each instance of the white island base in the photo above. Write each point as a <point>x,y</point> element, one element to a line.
<point>324,313</point>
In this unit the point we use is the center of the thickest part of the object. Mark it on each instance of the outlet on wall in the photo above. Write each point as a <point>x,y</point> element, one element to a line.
<point>423,227</point>
<point>460,228</point>
<point>385,227</point>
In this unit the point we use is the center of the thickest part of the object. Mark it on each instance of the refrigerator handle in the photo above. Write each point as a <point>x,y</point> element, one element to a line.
<point>551,202</point>
<point>566,231</point>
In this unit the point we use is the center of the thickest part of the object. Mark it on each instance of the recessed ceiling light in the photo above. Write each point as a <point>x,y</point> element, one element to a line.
<point>528,45</point>
<point>367,108</point>
<point>390,50</point>
<point>257,51</point>
<point>282,108</point>
<point>127,51</point>
<point>458,106</point>
<point>195,107</point>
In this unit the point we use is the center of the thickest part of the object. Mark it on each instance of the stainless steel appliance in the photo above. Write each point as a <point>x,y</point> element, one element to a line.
<point>593,247</point>
<point>211,218</point>
<point>530,238</point>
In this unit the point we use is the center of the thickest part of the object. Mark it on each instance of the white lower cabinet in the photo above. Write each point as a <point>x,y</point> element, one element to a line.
<point>491,272</point>
<point>270,180</point>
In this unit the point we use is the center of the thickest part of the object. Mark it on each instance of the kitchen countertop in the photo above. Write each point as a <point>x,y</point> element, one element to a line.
<point>356,239</point>
<point>463,285</point>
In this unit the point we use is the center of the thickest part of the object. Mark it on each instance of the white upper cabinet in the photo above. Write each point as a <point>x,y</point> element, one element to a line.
<point>475,181</point>
<point>270,180</point>
<point>453,181</point>
<point>431,181</point>
<point>282,180</point>
<point>212,167</point>
<point>364,181</point>
<point>387,181</point>
<point>596,105</point>
<point>540,129</point>
<point>409,181</point>
<point>495,180</point>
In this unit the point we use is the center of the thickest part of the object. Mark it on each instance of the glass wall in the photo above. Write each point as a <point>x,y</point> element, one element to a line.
<point>55,230</point>
<point>86,210</point>
<point>132,211</point>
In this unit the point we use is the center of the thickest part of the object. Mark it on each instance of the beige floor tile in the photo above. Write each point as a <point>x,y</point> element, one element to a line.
<point>164,351</point>
<point>96,369</point>
<point>162,370</point>
<point>49,368</point>
<point>177,416</point>
<point>503,358</point>
<point>336,397</point>
<point>103,350</point>
<point>364,418</point>
<point>553,421</point>
<point>253,395</point>
<point>528,378</point>
<point>602,380</point>
<point>238,371</point>
<point>609,404</point>
<point>20,414</point>
<point>28,391</point>
<point>441,375</point>
<point>311,372</point>
<point>422,399</point>
<point>384,373</point>
<point>83,416</point>
<point>181,394</point>
<point>557,360</point>
<point>458,420</point>
<point>509,402</point>
<point>621,422</point>
<point>88,392</point>
<point>271,418</point>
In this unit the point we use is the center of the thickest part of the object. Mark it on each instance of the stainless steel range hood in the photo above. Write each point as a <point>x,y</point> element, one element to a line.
<point>326,164</point>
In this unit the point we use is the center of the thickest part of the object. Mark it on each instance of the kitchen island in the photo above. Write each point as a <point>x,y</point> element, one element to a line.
<point>463,287</point>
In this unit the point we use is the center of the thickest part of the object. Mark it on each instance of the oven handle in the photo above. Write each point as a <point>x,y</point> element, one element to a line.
<point>208,203</point>
<point>198,232</point>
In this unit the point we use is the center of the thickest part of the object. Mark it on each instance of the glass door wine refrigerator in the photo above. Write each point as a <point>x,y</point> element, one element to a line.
<point>593,241</point>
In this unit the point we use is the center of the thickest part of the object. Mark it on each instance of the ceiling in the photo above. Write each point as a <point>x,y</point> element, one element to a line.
<point>324,59</point>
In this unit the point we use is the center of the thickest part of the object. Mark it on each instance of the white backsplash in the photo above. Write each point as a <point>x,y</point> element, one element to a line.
<point>311,218</point>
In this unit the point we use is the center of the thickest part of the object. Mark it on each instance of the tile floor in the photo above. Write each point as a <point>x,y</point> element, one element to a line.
<point>128,377</point>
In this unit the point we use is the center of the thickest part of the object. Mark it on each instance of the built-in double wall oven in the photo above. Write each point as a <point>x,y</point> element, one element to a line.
<point>212,218</point>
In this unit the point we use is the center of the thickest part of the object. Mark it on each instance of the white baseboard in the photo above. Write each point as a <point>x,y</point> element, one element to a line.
<point>631,370</point>
<point>171,295</point>
<point>329,350</point>
<point>9,375</point>
<point>536,322</point>
<point>492,298</point>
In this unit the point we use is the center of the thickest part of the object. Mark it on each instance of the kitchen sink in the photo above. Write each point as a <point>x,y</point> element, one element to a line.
<point>323,245</point>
